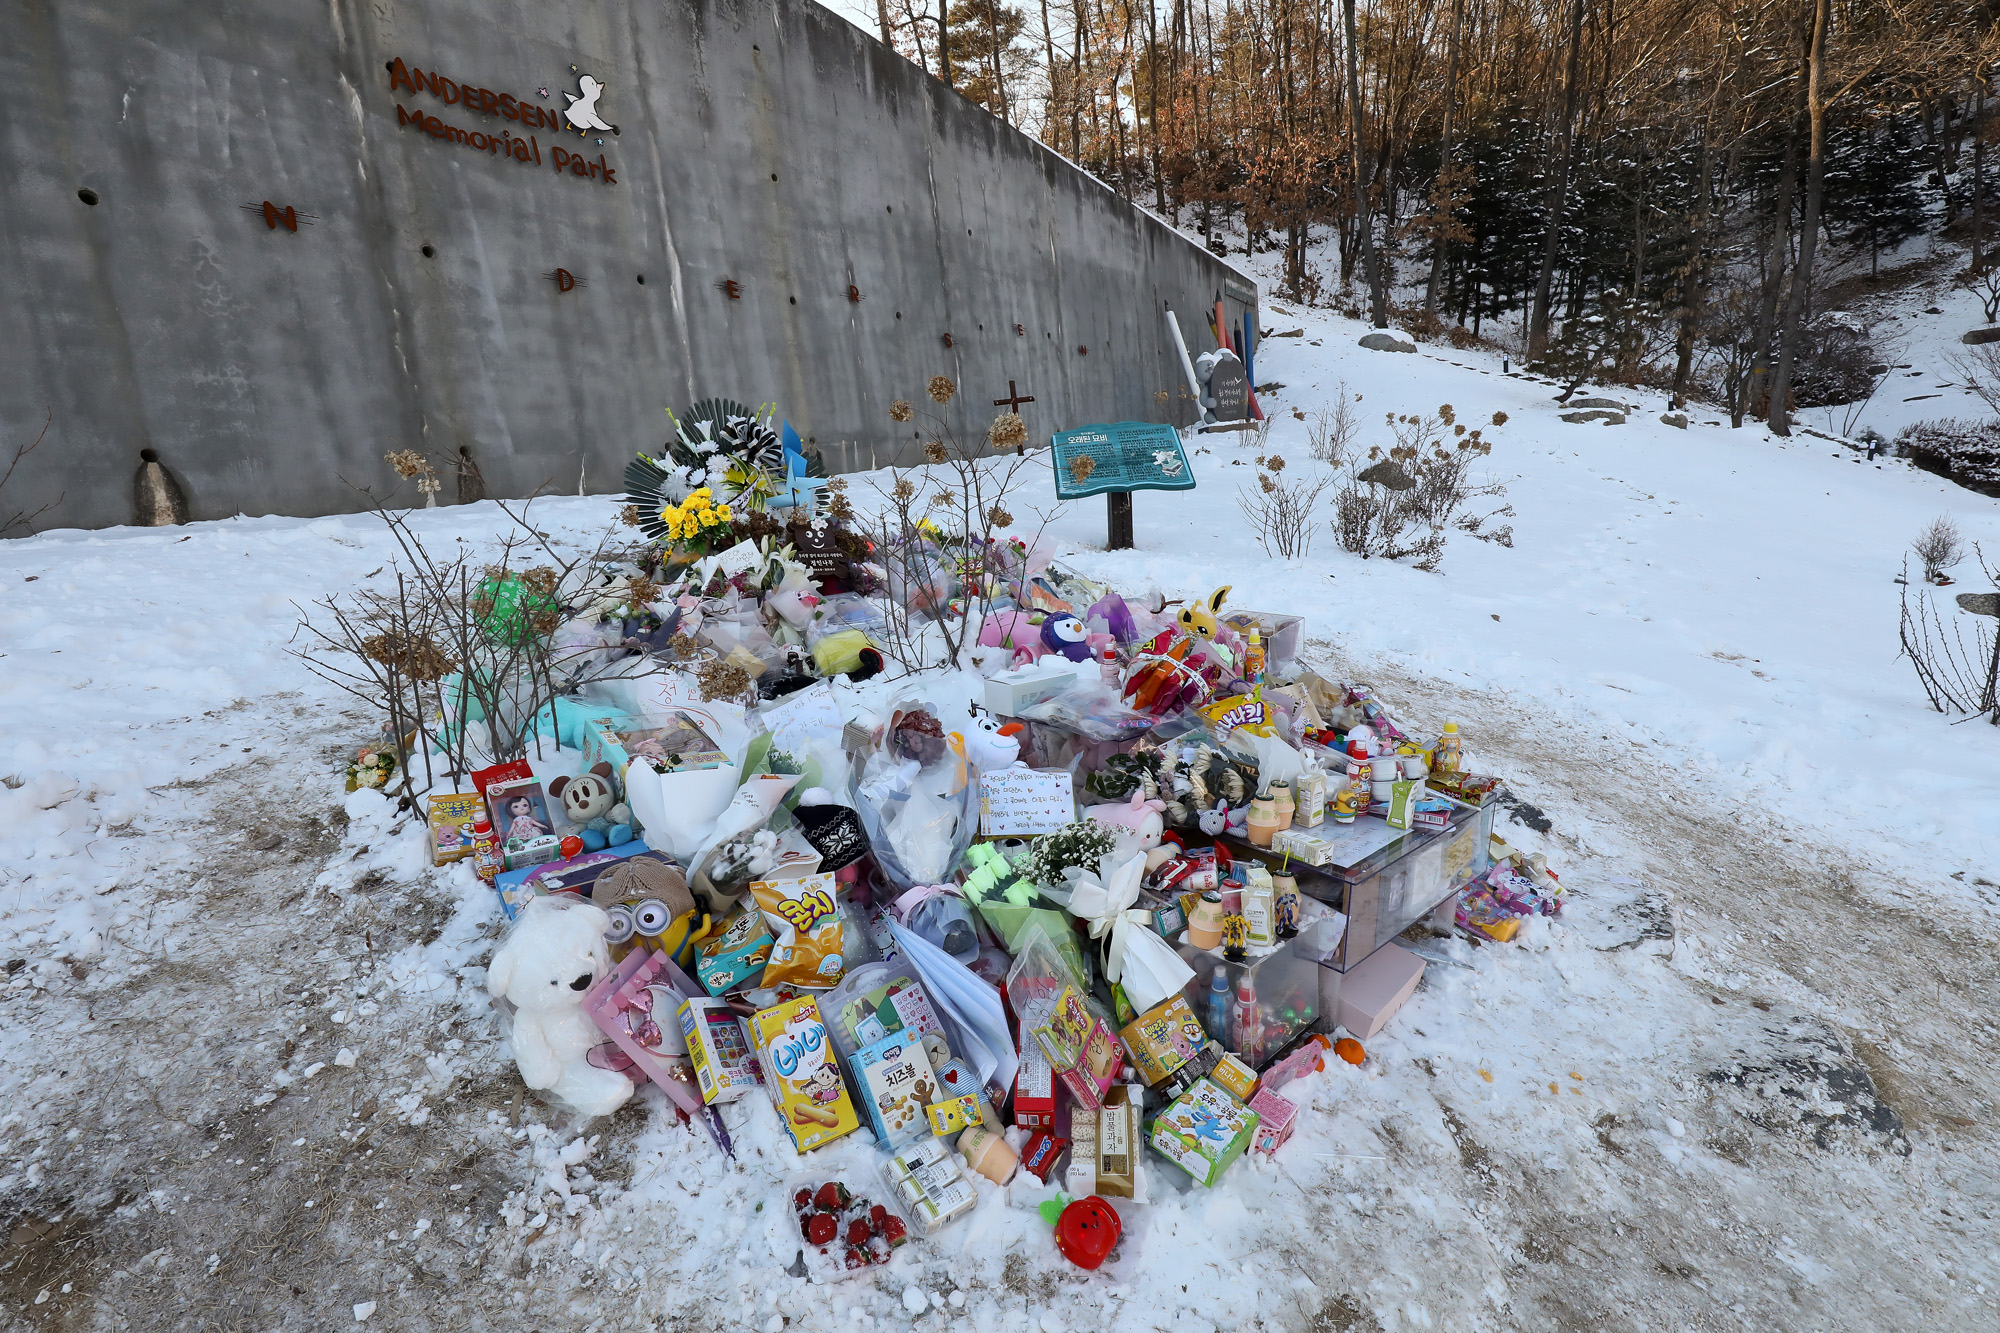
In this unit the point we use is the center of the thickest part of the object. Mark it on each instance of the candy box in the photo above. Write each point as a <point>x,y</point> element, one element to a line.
<point>895,1082</point>
<point>1163,1038</point>
<point>451,826</point>
<point>1277,1117</point>
<point>837,1232</point>
<point>724,1068</point>
<point>1191,1073</point>
<point>801,1073</point>
<point>952,1114</point>
<point>929,1180</point>
<point>1204,1131</point>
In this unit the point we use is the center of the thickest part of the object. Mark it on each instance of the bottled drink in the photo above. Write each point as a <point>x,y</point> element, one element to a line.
<point>1450,757</point>
<point>1218,1005</point>
<point>487,858</point>
<point>1249,1023</point>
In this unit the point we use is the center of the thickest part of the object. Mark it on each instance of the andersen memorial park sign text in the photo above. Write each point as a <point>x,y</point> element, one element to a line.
<point>581,117</point>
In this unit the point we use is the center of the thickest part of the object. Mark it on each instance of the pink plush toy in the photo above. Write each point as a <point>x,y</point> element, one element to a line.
<point>1003,629</point>
<point>1137,824</point>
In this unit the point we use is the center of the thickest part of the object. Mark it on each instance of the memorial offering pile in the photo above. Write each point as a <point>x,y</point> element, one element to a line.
<point>894,830</point>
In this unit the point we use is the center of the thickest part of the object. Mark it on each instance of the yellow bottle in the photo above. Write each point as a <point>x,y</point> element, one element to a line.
<point>1450,757</point>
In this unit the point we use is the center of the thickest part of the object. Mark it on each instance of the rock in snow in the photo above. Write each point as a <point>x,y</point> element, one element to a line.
<point>1386,342</point>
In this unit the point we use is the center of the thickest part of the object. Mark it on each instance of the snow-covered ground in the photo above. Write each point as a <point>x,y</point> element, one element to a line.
<point>249,1076</point>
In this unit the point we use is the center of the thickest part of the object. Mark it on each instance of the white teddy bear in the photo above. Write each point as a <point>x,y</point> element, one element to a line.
<point>554,954</point>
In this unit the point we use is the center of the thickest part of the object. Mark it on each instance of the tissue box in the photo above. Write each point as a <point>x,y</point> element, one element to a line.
<point>1204,1131</point>
<point>1025,686</point>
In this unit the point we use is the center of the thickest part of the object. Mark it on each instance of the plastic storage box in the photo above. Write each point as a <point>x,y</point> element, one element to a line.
<point>1391,878</point>
<point>1284,981</point>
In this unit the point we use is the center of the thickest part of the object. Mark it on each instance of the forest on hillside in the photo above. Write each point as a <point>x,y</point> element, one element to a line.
<point>1656,191</point>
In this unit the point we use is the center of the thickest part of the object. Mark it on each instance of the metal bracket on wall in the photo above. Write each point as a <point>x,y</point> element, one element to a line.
<point>274,217</point>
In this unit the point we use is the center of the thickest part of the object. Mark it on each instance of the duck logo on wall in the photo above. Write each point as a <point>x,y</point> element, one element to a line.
<point>582,113</point>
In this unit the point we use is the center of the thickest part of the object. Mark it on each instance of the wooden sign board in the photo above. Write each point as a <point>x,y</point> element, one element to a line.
<point>1128,456</point>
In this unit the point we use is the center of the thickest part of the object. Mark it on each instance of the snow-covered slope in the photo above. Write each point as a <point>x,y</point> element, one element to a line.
<point>1687,656</point>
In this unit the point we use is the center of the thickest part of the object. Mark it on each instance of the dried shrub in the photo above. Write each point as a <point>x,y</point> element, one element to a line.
<point>1955,654</point>
<point>1330,431</point>
<point>1281,509</point>
<point>1939,546</point>
<point>1423,325</point>
<point>1007,433</point>
<point>1402,503</point>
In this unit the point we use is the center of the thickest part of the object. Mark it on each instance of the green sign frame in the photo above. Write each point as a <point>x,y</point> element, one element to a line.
<point>1125,456</point>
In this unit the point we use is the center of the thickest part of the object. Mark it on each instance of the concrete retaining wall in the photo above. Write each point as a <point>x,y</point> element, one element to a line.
<point>765,143</point>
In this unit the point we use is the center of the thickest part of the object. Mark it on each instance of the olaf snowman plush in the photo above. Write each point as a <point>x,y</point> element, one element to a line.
<point>990,744</point>
<point>554,954</point>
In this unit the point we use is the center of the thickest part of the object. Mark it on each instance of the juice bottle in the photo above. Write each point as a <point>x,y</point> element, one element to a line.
<point>487,858</point>
<point>1249,1023</point>
<point>1253,657</point>
<point>1450,757</point>
<point>1218,1005</point>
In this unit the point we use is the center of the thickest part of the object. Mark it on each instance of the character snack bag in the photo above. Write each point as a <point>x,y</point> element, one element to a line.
<point>735,955</point>
<point>805,919</point>
<point>801,1073</point>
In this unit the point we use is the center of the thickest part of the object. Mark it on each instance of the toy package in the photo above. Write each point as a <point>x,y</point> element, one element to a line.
<point>724,1067</point>
<point>520,815</point>
<point>807,950</point>
<point>801,1073</point>
<point>875,1000</point>
<point>674,743</point>
<point>1204,1131</point>
<point>895,1082</point>
<point>451,826</point>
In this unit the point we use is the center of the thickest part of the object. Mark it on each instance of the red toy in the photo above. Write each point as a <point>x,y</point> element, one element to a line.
<point>1088,1231</point>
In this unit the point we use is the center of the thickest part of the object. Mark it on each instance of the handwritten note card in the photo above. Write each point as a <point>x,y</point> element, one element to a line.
<point>1020,802</point>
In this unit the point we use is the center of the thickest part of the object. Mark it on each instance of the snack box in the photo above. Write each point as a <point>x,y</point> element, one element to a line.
<point>928,1179</point>
<point>1034,1081</point>
<point>1117,1144</point>
<point>724,1068</point>
<point>1177,1083</point>
<point>735,955</point>
<point>1163,1038</point>
<point>955,1079</point>
<point>1277,1117</point>
<point>895,1082</point>
<point>451,818</point>
<point>801,1073</point>
<point>1204,1131</point>
<point>1238,1078</point>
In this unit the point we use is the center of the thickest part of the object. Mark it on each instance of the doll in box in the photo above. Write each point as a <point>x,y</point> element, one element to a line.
<point>521,821</point>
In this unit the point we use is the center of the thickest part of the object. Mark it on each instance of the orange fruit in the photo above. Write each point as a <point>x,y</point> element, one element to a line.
<point>1348,1049</point>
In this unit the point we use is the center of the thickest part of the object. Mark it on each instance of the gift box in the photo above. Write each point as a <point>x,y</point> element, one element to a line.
<point>1276,1118</point>
<point>1204,1131</point>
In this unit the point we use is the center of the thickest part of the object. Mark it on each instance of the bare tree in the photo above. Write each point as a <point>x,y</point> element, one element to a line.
<point>22,521</point>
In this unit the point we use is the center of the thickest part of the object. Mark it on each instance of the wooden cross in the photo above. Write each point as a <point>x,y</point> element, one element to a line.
<point>1012,402</point>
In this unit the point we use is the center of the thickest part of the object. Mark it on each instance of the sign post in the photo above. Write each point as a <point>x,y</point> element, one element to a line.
<point>1115,460</point>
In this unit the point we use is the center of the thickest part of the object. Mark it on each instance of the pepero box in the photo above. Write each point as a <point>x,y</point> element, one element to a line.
<point>724,1067</point>
<point>801,1073</point>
